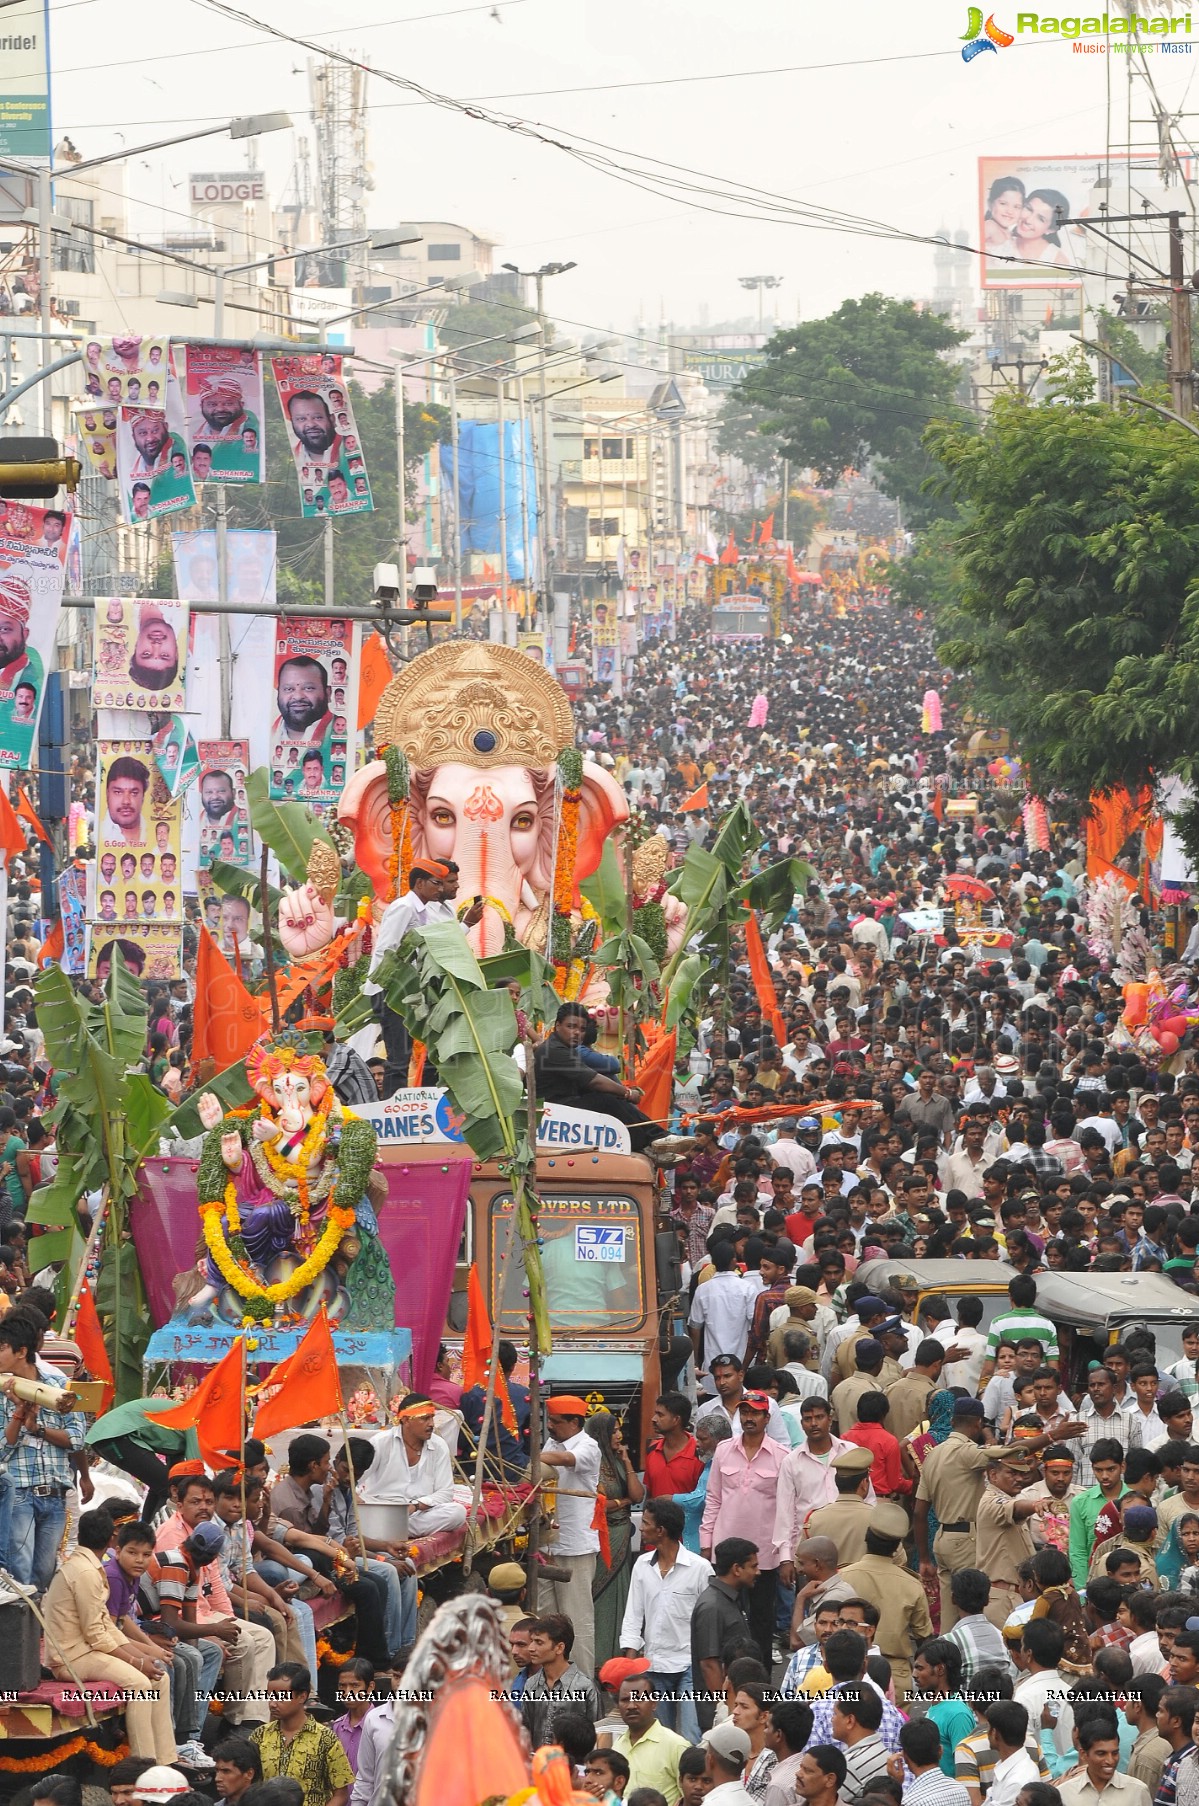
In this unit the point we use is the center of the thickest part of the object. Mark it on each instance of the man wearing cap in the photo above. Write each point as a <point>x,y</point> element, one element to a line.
<point>412,1467</point>
<point>577,1457</point>
<point>742,1490</point>
<point>951,1482</point>
<point>726,1750</point>
<point>84,1644</point>
<point>880,1575</point>
<point>847,1519</point>
<point>840,1358</point>
<point>1003,1533</point>
<point>871,1357</point>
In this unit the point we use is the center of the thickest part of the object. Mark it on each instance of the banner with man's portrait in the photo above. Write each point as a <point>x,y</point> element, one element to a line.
<point>33,552</point>
<point>138,876</point>
<point>251,562</point>
<point>604,637</point>
<point>152,466</point>
<point>96,439</point>
<point>126,367</point>
<point>326,448</point>
<point>222,389</point>
<point>224,806</point>
<point>314,712</point>
<point>176,755</point>
<point>141,647</point>
<point>151,950</point>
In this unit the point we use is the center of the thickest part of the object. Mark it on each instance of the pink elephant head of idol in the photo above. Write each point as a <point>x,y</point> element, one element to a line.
<point>482,726</point>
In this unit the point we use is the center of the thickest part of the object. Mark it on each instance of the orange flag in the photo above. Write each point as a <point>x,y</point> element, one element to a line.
<point>759,971</point>
<point>90,1338</point>
<point>227,1020</point>
<point>215,1410</point>
<point>767,533</point>
<point>655,1072</point>
<point>374,675</point>
<point>792,567</point>
<point>12,835</point>
<point>307,1381</point>
<point>26,811</point>
<point>476,1349</point>
<point>729,555</point>
<point>938,804</point>
<point>54,945</point>
<point>697,800</point>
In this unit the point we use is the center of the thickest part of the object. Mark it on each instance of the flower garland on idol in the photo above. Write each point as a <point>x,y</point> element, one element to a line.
<point>400,862</point>
<point>570,788</point>
<point>343,1183</point>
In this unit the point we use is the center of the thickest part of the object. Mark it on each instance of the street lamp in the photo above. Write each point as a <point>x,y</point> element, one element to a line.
<point>761,283</point>
<point>539,276</point>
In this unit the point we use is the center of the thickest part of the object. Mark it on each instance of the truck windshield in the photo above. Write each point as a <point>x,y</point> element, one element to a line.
<point>592,1260</point>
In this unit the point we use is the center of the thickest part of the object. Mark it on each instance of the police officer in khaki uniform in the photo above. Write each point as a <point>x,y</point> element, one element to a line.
<point>871,1312</point>
<point>849,1517</point>
<point>1003,1531</point>
<point>844,1401</point>
<point>902,1605</point>
<point>951,1482</point>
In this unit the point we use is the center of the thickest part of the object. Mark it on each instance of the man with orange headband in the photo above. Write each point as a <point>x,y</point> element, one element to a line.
<point>577,1455</point>
<point>412,1467</point>
<point>423,902</point>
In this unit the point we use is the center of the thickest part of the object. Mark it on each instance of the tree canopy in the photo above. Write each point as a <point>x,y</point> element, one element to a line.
<point>1076,566</point>
<point>859,388</point>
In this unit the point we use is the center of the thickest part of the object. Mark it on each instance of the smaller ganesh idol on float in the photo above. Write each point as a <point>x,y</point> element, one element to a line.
<point>283,1195</point>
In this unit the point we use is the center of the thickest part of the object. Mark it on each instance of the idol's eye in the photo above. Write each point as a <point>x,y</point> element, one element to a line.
<point>442,818</point>
<point>523,821</point>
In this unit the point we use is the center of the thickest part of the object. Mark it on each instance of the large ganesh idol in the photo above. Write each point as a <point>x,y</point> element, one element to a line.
<point>482,728</point>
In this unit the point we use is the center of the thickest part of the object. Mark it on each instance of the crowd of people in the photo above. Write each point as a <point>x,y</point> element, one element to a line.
<point>882,1543</point>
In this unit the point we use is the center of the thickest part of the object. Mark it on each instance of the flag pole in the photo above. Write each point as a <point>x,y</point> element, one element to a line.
<point>345,1431</point>
<point>241,1476</point>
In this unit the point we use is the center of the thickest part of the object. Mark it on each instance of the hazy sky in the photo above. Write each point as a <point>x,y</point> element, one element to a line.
<point>872,111</point>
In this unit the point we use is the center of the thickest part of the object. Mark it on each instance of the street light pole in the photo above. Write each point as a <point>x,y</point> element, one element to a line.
<point>539,276</point>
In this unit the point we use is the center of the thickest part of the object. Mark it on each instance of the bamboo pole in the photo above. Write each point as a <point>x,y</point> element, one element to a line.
<point>268,943</point>
<point>534,1377</point>
<point>241,1480</point>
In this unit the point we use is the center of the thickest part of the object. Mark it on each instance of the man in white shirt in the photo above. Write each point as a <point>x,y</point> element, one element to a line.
<point>786,1151</point>
<point>721,1313</point>
<point>377,1729</point>
<point>664,1588</point>
<point>424,902</point>
<point>577,1456</point>
<point>1007,1721</point>
<point>412,1467</point>
<point>1043,1685</point>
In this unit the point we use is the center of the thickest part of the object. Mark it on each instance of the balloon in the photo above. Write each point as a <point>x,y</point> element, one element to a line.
<point>1173,1025</point>
<point>1166,1041</point>
<point>1135,1002</point>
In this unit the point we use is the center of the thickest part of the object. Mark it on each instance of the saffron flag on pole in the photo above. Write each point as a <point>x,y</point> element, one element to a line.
<point>476,1349</point>
<point>90,1338</point>
<point>12,835</point>
<point>767,533</point>
<point>215,1410</point>
<point>25,810</point>
<point>227,1020</point>
<point>729,554</point>
<point>697,800</point>
<point>374,675</point>
<point>308,1386</point>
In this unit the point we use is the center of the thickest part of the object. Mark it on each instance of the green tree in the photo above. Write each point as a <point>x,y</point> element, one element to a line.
<point>739,435</point>
<point>859,388</point>
<point>475,320</point>
<point>1076,565</point>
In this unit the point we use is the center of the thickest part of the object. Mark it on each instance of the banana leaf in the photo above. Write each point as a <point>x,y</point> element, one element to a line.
<point>682,988</point>
<point>231,1087</point>
<point>289,829</point>
<point>124,1315</point>
<point>773,891</point>
<point>147,1112</point>
<point>737,837</point>
<point>607,892</point>
<point>231,881</point>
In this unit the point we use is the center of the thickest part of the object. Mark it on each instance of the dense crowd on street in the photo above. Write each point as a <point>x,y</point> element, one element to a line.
<point>894,1543</point>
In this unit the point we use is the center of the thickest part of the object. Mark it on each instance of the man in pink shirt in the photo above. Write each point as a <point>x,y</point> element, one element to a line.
<point>249,1648</point>
<point>806,1479</point>
<point>741,1502</point>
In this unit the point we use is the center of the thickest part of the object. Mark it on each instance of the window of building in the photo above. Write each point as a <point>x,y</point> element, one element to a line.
<point>75,250</point>
<point>444,253</point>
<point>606,528</point>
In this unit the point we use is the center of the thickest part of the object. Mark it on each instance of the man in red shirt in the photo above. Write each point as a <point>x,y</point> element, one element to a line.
<point>672,1463</point>
<point>886,1475</point>
<point>801,1223</point>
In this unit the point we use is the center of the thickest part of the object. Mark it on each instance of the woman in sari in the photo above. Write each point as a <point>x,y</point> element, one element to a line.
<point>619,1489</point>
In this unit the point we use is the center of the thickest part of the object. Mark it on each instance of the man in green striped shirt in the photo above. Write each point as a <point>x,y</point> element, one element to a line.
<point>1023,1319</point>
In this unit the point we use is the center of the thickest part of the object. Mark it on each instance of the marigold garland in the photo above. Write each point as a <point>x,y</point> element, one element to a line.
<point>63,1752</point>
<point>570,775</point>
<point>338,1224</point>
<point>400,862</point>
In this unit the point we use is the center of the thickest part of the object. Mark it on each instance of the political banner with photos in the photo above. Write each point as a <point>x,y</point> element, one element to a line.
<point>127,367</point>
<point>96,440</point>
<point>315,708</point>
<point>137,837</point>
<point>33,551</point>
<point>329,461</point>
<point>222,390</point>
<point>151,950</point>
<point>175,755</point>
<point>152,466</point>
<point>224,806</point>
<point>140,652</point>
<point>604,635</point>
<point>72,904</point>
<point>251,564</point>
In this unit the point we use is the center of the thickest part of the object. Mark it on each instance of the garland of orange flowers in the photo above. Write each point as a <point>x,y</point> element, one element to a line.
<point>256,1296</point>
<point>570,774</point>
<point>400,862</point>
<point>297,1170</point>
<point>62,1752</point>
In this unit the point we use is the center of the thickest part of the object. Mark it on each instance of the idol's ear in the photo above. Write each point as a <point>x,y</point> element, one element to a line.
<point>604,806</point>
<point>366,812</point>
